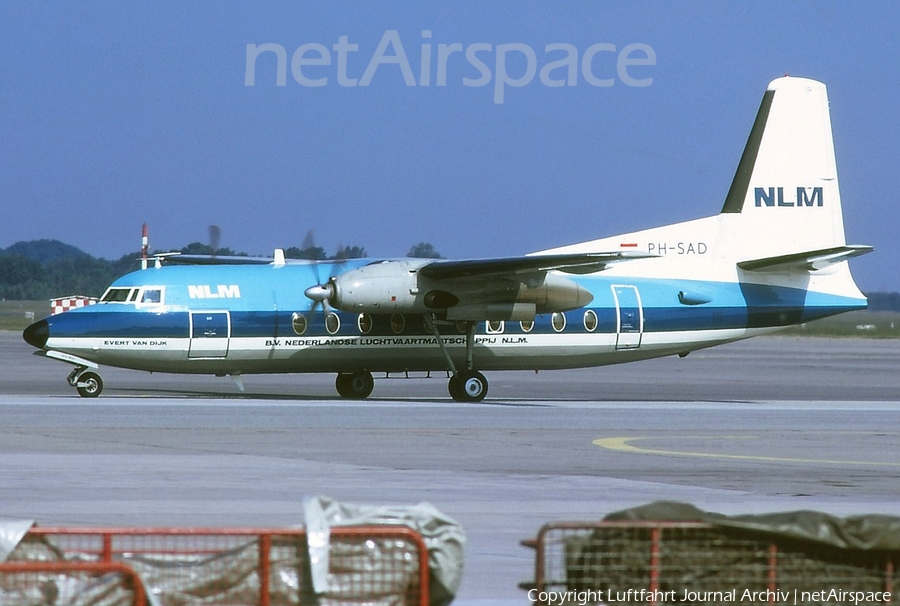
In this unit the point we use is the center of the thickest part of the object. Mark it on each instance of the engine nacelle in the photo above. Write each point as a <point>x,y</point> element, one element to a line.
<point>397,287</point>
<point>554,293</point>
<point>384,287</point>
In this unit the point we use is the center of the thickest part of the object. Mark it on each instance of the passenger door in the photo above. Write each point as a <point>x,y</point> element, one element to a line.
<point>210,334</point>
<point>629,317</point>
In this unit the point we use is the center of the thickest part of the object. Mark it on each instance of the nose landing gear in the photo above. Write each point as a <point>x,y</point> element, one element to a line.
<point>88,384</point>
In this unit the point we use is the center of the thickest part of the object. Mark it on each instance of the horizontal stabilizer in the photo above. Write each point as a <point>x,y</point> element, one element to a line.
<point>580,263</point>
<point>809,261</point>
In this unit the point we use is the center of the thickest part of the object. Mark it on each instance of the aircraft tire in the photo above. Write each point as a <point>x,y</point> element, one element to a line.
<point>468,386</point>
<point>455,389</point>
<point>354,385</point>
<point>89,385</point>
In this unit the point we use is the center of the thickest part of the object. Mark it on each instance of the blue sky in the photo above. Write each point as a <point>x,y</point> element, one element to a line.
<point>114,114</point>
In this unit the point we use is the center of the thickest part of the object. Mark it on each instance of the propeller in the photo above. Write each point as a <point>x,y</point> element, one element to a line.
<point>309,240</point>
<point>321,293</point>
<point>215,235</point>
<point>341,253</point>
<point>325,290</point>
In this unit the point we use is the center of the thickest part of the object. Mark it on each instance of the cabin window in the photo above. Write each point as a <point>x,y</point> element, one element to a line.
<point>398,323</point>
<point>590,320</point>
<point>117,295</point>
<point>494,327</point>
<point>299,323</point>
<point>364,321</point>
<point>332,323</point>
<point>527,325</point>
<point>558,321</point>
<point>151,295</point>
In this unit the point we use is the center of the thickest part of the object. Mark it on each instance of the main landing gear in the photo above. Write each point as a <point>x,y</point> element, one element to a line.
<point>88,384</point>
<point>355,385</point>
<point>467,385</point>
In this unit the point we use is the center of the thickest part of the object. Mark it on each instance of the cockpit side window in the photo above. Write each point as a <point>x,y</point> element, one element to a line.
<point>117,295</point>
<point>151,295</point>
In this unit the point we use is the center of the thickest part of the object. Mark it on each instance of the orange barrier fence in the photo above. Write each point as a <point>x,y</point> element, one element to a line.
<point>104,582</point>
<point>385,565</point>
<point>677,563</point>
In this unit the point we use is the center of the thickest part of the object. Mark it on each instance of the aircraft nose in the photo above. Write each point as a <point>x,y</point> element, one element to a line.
<point>37,334</point>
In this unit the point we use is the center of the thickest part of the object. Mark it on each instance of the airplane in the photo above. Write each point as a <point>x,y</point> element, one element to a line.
<point>775,256</point>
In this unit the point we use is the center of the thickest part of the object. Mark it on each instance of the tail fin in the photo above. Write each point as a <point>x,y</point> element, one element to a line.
<point>783,210</point>
<point>785,190</point>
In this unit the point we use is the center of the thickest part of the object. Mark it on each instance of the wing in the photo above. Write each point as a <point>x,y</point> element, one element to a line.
<point>179,259</point>
<point>277,258</point>
<point>472,289</point>
<point>582,263</point>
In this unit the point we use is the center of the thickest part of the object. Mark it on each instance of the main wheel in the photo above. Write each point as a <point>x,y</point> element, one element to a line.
<point>355,385</point>
<point>89,385</point>
<point>468,386</point>
<point>455,388</point>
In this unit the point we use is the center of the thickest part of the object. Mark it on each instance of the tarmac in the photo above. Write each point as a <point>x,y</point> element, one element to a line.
<point>770,424</point>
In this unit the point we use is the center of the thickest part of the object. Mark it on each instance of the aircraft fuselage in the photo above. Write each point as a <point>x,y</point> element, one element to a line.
<point>256,319</point>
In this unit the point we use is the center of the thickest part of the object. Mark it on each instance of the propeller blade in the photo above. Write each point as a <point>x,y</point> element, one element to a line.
<point>215,236</point>
<point>309,241</point>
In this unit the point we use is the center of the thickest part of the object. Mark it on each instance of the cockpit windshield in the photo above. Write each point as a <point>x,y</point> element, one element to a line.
<point>145,295</point>
<point>117,295</point>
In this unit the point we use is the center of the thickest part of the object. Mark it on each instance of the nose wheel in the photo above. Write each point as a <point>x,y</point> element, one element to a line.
<point>88,384</point>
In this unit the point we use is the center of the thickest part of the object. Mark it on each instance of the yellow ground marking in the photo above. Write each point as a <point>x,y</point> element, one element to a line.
<point>623,444</point>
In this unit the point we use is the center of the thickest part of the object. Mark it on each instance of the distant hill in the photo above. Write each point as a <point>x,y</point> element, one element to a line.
<point>41,269</point>
<point>46,251</point>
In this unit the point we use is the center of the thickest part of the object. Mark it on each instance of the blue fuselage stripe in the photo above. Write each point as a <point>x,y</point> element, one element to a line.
<point>751,307</point>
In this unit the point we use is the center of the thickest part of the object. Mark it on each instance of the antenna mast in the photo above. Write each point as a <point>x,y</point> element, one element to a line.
<point>145,243</point>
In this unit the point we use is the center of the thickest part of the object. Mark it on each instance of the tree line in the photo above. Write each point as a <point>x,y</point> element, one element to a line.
<point>42,269</point>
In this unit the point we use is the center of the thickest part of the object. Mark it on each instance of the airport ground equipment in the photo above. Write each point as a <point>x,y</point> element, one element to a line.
<point>795,557</point>
<point>377,565</point>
